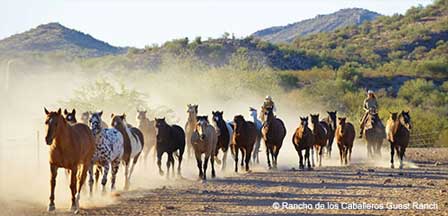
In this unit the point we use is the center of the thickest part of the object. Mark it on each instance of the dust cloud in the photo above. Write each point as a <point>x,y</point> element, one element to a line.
<point>24,170</point>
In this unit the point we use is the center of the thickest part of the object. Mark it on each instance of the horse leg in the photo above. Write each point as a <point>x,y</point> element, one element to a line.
<point>168,164</point>
<point>235,150</point>
<point>54,173</point>
<point>299,152</point>
<point>126,174</point>
<point>212,160</point>
<point>320,155</point>
<point>307,157</point>
<point>81,180</point>
<point>341,154</point>
<point>74,172</point>
<point>172,164</point>
<point>204,177</point>
<point>115,166</point>
<point>91,180</point>
<point>104,180</point>
<point>199,164</point>
<point>391,155</point>
<point>159,162</point>
<point>402,150</point>
<point>312,155</point>
<point>247,151</point>
<point>350,154</point>
<point>179,164</point>
<point>97,176</point>
<point>224,158</point>
<point>242,157</point>
<point>267,156</point>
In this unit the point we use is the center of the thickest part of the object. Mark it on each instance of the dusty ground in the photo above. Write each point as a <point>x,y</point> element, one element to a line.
<point>424,180</point>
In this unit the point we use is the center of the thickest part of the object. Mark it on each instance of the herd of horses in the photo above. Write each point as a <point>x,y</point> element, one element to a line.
<point>90,145</point>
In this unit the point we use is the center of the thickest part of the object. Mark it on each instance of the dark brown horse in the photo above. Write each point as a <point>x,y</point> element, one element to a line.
<point>345,135</point>
<point>330,125</point>
<point>273,133</point>
<point>133,142</point>
<point>320,137</point>
<point>71,147</point>
<point>70,116</point>
<point>170,139</point>
<point>225,131</point>
<point>400,138</point>
<point>374,134</point>
<point>303,139</point>
<point>243,139</point>
<point>147,127</point>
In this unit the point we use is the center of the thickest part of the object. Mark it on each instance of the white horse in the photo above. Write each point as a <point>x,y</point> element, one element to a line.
<point>258,126</point>
<point>204,139</point>
<point>192,111</point>
<point>109,150</point>
<point>133,144</point>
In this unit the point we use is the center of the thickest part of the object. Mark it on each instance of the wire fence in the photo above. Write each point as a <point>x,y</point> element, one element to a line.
<point>424,139</point>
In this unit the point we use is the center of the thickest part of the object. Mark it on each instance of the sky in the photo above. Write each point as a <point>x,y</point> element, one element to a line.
<point>144,22</point>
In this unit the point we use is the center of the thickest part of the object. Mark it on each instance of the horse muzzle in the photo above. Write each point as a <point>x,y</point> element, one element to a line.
<point>202,136</point>
<point>48,140</point>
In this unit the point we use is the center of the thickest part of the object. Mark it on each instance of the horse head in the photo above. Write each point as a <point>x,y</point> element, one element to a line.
<point>217,116</point>
<point>141,115</point>
<point>304,122</point>
<point>118,121</point>
<point>70,116</point>
<point>314,118</point>
<point>406,119</point>
<point>201,125</point>
<point>332,118</point>
<point>239,124</point>
<point>192,109</point>
<point>393,116</point>
<point>95,122</point>
<point>85,117</point>
<point>53,121</point>
<point>341,123</point>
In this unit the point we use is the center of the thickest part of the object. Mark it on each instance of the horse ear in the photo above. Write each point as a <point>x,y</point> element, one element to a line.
<point>59,111</point>
<point>74,111</point>
<point>101,113</point>
<point>163,118</point>
<point>124,115</point>
<point>339,118</point>
<point>112,115</point>
<point>65,112</point>
<point>46,111</point>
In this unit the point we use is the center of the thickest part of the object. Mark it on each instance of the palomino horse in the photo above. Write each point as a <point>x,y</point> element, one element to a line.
<point>224,131</point>
<point>243,139</point>
<point>149,134</point>
<point>258,126</point>
<point>170,139</point>
<point>400,137</point>
<point>345,135</point>
<point>374,134</point>
<point>273,133</point>
<point>70,116</point>
<point>71,147</point>
<point>133,144</point>
<point>320,137</point>
<point>330,125</point>
<point>192,111</point>
<point>109,150</point>
<point>303,139</point>
<point>204,141</point>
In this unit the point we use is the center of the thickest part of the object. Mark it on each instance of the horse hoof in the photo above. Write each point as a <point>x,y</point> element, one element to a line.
<point>392,166</point>
<point>51,207</point>
<point>76,211</point>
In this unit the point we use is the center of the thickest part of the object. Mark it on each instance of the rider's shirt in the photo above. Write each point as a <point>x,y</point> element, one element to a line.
<point>370,103</point>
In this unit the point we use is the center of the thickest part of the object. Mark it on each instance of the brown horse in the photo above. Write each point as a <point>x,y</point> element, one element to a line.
<point>345,135</point>
<point>320,137</point>
<point>243,139</point>
<point>330,125</point>
<point>303,139</point>
<point>70,116</point>
<point>192,110</point>
<point>147,127</point>
<point>273,133</point>
<point>204,141</point>
<point>400,138</point>
<point>71,147</point>
<point>133,144</point>
<point>374,134</point>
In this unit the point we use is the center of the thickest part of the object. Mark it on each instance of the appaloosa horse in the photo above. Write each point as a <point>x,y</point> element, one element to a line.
<point>170,139</point>
<point>85,117</point>
<point>401,136</point>
<point>109,150</point>
<point>273,132</point>
<point>374,134</point>
<point>345,135</point>
<point>258,126</point>
<point>330,125</point>
<point>149,134</point>
<point>204,141</point>
<point>243,139</point>
<point>192,111</point>
<point>320,137</point>
<point>71,147</point>
<point>224,131</point>
<point>303,139</point>
<point>133,144</point>
<point>70,116</point>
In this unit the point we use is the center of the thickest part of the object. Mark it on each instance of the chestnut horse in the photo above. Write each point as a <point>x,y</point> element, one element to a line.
<point>192,110</point>
<point>148,129</point>
<point>71,147</point>
<point>243,139</point>
<point>273,132</point>
<point>204,141</point>
<point>133,143</point>
<point>401,137</point>
<point>330,125</point>
<point>303,139</point>
<point>170,139</point>
<point>224,131</point>
<point>345,135</point>
<point>320,137</point>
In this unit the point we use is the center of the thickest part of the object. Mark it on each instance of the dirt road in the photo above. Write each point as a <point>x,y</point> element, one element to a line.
<point>327,190</point>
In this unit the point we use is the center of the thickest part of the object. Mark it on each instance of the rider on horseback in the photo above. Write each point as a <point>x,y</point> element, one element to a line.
<point>370,105</point>
<point>268,103</point>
